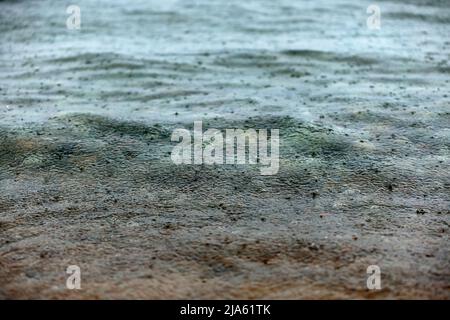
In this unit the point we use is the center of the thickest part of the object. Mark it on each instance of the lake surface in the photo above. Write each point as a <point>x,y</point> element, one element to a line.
<point>86,177</point>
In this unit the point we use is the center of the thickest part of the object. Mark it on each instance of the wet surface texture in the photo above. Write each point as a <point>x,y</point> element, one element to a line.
<point>86,176</point>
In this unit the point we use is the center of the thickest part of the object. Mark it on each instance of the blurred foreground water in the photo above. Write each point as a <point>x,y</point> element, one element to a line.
<point>86,177</point>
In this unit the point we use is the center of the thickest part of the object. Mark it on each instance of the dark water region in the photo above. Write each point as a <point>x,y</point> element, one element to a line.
<point>86,176</point>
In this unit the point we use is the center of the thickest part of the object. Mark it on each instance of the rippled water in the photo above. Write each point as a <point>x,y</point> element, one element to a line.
<point>147,60</point>
<point>86,177</point>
